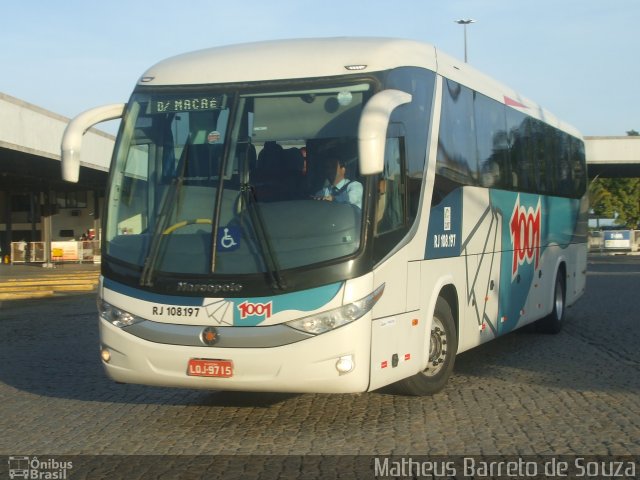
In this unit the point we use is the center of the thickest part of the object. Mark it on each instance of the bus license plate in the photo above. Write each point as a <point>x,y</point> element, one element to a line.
<point>200,367</point>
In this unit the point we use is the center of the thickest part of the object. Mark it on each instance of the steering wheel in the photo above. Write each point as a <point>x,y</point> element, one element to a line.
<point>184,223</point>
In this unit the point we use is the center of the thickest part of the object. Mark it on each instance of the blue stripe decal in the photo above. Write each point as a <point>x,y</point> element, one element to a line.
<point>444,236</point>
<point>253,311</point>
<point>247,311</point>
<point>528,227</point>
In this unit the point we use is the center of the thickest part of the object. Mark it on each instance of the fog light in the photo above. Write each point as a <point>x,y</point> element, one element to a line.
<point>345,364</point>
<point>106,356</point>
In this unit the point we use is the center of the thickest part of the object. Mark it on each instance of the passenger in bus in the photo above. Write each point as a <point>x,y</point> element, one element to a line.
<point>490,174</point>
<point>305,166</point>
<point>293,174</point>
<point>338,188</point>
<point>565,183</point>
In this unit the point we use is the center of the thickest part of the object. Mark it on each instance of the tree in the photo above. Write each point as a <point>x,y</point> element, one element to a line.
<point>600,198</point>
<point>617,197</point>
<point>627,200</point>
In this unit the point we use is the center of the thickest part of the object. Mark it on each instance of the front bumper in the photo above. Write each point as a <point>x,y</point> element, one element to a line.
<point>305,366</point>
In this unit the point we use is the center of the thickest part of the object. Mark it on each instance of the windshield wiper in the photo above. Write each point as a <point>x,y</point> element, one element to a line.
<point>257,221</point>
<point>170,196</point>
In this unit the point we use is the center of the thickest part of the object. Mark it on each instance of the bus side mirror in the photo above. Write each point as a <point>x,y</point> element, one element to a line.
<point>372,131</point>
<point>72,137</point>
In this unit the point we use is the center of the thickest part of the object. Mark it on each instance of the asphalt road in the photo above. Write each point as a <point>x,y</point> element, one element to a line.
<point>575,393</point>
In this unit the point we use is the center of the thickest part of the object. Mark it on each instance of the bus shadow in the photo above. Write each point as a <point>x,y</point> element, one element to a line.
<point>569,360</point>
<point>87,382</point>
<point>56,355</point>
<point>243,399</point>
<point>595,351</point>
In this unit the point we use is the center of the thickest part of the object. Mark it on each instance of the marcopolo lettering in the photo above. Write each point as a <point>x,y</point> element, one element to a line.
<point>209,287</point>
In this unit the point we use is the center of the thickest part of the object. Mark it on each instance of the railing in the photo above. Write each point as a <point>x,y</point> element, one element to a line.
<point>61,252</point>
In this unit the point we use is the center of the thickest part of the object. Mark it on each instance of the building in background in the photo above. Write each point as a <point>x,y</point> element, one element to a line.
<point>36,206</point>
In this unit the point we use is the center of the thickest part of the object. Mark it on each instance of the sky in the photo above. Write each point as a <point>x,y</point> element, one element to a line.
<point>579,59</point>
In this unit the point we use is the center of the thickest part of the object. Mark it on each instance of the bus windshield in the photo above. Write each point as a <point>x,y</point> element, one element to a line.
<point>236,182</point>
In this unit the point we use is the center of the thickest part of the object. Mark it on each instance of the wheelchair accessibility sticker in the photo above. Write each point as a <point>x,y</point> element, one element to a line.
<point>228,239</point>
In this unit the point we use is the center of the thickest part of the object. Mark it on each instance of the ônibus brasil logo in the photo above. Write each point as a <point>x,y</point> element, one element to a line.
<point>525,235</point>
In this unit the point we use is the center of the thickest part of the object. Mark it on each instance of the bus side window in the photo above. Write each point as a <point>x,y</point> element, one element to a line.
<point>577,168</point>
<point>539,155</point>
<point>390,206</point>
<point>392,219</point>
<point>456,162</point>
<point>414,118</point>
<point>564,182</point>
<point>520,151</point>
<point>491,140</point>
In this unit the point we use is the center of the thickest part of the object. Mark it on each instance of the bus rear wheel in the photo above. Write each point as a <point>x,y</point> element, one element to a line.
<point>552,323</point>
<point>443,345</point>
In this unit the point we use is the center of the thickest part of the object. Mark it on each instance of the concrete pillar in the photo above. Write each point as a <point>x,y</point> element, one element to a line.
<point>33,211</point>
<point>47,215</point>
<point>96,213</point>
<point>8,217</point>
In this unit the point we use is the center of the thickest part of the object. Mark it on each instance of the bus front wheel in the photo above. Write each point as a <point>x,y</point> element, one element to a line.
<point>443,345</point>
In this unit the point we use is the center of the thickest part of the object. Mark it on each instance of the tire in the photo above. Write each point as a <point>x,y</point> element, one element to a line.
<point>553,322</point>
<point>443,345</point>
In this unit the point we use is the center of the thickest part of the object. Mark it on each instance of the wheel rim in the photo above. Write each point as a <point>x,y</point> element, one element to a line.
<point>437,348</point>
<point>559,301</point>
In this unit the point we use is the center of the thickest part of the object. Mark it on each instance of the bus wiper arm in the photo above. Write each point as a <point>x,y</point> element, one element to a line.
<point>146,278</point>
<point>257,221</point>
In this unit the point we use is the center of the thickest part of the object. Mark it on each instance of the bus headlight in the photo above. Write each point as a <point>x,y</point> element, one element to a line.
<point>330,320</point>
<point>119,318</point>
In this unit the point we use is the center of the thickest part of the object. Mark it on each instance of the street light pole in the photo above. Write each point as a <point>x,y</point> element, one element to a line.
<point>464,22</point>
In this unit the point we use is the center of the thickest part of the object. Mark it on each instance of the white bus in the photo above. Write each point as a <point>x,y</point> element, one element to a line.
<point>329,215</point>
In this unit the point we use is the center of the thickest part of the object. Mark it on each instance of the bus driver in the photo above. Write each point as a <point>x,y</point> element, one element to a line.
<point>338,188</point>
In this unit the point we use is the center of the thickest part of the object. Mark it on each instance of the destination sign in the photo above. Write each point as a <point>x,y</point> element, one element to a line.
<point>184,104</point>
